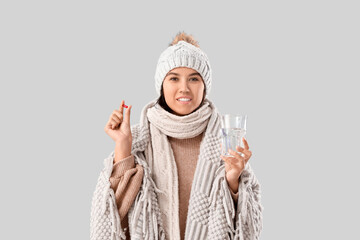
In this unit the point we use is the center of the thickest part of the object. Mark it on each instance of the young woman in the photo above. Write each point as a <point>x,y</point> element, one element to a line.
<point>166,178</point>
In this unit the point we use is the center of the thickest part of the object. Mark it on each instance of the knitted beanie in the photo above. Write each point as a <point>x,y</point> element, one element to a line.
<point>183,54</point>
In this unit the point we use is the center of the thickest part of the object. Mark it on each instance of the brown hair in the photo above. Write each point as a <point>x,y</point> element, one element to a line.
<point>188,38</point>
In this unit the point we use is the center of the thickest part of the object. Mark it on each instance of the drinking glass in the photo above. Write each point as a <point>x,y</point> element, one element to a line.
<point>233,129</point>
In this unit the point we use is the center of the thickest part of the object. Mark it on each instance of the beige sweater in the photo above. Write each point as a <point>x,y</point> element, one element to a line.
<point>126,179</point>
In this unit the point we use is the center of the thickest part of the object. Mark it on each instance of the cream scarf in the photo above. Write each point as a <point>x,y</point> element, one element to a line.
<point>161,158</point>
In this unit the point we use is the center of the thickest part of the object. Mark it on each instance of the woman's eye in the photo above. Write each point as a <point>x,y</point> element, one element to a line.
<point>193,79</point>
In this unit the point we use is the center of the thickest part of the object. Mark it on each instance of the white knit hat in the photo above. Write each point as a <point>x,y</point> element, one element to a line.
<point>183,54</point>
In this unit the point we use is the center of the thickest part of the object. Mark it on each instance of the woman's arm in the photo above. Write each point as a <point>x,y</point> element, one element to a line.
<point>125,180</point>
<point>234,195</point>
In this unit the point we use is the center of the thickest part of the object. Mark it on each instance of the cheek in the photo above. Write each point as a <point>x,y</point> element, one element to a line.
<point>201,91</point>
<point>168,91</point>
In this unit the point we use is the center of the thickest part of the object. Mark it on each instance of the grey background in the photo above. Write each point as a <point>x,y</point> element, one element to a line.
<point>292,66</point>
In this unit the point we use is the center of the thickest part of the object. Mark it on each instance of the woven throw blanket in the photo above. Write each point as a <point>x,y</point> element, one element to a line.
<point>211,213</point>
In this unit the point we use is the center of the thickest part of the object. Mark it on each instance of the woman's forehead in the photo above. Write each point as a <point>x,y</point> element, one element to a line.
<point>183,69</point>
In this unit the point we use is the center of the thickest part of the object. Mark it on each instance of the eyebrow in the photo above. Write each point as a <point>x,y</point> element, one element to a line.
<point>179,74</point>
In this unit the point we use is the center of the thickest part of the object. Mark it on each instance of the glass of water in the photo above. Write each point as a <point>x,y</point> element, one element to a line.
<point>233,129</point>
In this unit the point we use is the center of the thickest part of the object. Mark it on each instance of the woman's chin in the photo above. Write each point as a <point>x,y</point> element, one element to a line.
<point>182,112</point>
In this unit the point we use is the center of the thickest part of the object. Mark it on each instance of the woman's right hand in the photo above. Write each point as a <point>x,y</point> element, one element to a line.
<point>118,128</point>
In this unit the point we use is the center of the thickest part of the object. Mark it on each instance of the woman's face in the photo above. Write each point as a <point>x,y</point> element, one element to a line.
<point>183,82</point>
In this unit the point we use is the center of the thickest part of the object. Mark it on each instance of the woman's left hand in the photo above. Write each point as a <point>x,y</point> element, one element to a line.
<point>236,164</point>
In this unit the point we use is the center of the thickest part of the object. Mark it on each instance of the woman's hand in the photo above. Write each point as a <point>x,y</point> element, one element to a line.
<point>118,127</point>
<point>236,164</point>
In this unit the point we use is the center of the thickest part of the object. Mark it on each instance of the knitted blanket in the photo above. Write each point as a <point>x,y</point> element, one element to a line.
<point>211,213</point>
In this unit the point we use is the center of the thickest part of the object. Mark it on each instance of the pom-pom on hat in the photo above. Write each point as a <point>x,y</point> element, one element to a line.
<point>183,54</point>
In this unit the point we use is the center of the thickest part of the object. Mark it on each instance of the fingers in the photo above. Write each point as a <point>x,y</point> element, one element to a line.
<point>246,145</point>
<point>236,155</point>
<point>119,112</point>
<point>237,160</point>
<point>110,124</point>
<point>230,160</point>
<point>121,107</point>
<point>114,123</point>
<point>117,117</point>
<point>246,152</point>
<point>234,162</point>
<point>127,115</point>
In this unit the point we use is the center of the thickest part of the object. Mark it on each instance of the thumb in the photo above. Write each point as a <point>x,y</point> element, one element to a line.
<point>127,115</point>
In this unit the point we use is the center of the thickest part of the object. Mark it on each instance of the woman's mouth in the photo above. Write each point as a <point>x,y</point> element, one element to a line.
<point>184,100</point>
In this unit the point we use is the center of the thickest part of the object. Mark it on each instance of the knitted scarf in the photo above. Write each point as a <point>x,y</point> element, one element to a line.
<point>154,213</point>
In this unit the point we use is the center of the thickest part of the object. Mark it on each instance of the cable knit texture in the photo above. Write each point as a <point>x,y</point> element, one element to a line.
<point>211,213</point>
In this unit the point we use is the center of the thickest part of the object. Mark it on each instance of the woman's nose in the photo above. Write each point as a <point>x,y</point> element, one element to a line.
<point>184,86</point>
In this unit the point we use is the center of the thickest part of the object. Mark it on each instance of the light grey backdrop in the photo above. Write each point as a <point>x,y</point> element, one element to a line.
<point>293,67</point>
